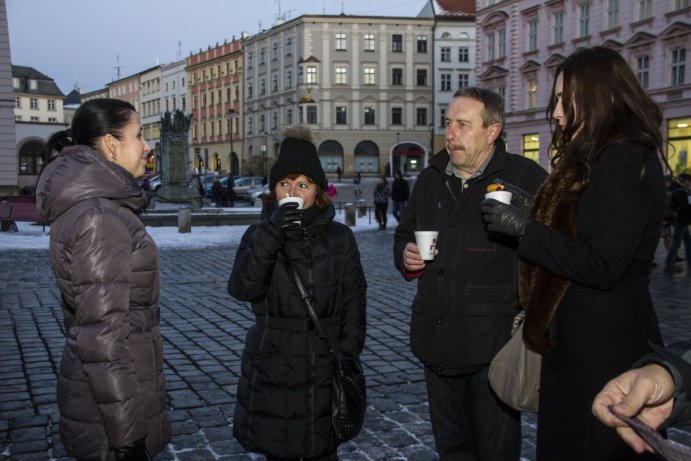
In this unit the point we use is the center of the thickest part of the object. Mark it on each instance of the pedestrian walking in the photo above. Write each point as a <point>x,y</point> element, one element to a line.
<point>584,274</point>
<point>339,173</point>
<point>111,387</point>
<point>680,215</point>
<point>356,184</point>
<point>399,194</point>
<point>382,192</point>
<point>332,191</point>
<point>284,390</point>
<point>466,298</point>
<point>217,192</point>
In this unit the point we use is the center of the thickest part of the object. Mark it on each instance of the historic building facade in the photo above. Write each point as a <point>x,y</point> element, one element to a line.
<point>520,43</point>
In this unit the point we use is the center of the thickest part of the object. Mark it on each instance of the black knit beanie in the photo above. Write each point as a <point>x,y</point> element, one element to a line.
<point>297,156</point>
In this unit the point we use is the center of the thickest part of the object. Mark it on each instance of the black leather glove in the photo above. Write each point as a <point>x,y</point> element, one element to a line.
<point>133,452</point>
<point>519,197</point>
<point>287,217</point>
<point>505,219</point>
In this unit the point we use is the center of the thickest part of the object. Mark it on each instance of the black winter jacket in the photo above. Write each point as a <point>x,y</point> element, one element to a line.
<point>467,297</point>
<point>111,388</point>
<point>283,407</point>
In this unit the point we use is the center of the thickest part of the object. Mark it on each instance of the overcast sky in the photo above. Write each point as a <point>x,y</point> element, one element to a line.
<point>79,41</point>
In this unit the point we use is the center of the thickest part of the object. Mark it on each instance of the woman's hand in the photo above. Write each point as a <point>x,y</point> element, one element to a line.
<point>505,219</point>
<point>287,217</point>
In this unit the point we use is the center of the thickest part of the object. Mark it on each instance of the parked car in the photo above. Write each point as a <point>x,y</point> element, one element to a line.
<point>151,182</point>
<point>256,192</point>
<point>243,185</point>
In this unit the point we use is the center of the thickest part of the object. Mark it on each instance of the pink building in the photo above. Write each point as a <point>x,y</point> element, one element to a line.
<point>520,43</point>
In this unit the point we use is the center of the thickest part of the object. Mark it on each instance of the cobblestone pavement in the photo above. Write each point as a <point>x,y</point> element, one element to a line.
<point>204,331</point>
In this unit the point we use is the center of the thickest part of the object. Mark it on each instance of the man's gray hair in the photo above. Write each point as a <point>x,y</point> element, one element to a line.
<point>493,102</point>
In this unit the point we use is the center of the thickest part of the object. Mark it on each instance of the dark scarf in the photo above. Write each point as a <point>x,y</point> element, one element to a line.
<point>540,290</point>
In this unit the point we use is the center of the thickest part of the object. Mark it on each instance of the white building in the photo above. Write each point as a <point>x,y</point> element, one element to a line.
<point>520,43</point>
<point>363,84</point>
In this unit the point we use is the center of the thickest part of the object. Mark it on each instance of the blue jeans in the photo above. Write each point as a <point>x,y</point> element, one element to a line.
<point>398,207</point>
<point>680,234</point>
<point>469,422</point>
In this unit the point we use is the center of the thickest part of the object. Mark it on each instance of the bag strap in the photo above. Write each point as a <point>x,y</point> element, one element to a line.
<point>308,303</point>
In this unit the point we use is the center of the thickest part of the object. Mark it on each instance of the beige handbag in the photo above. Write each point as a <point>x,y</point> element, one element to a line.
<point>514,373</point>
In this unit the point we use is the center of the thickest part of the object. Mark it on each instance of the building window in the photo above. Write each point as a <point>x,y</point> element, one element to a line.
<point>490,46</point>
<point>312,115</point>
<point>262,56</point>
<point>442,118</point>
<point>612,14</point>
<point>678,66</point>
<point>421,116</point>
<point>274,83</point>
<point>289,116</point>
<point>422,43</point>
<point>33,103</point>
<point>250,60</point>
<point>397,76</point>
<point>531,146</point>
<point>17,102</point>
<point>51,104</point>
<point>558,27</point>
<point>250,89</point>
<point>502,44</point>
<point>262,87</point>
<point>311,75</point>
<point>52,120</point>
<point>341,75</point>
<point>289,46</point>
<point>250,125</point>
<point>397,116</point>
<point>262,123</point>
<point>463,54</point>
<point>445,82</point>
<point>33,84</point>
<point>341,115</point>
<point>642,68</point>
<point>341,41</point>
<point>369,76</point>
<point>274,120</point>
<point>34,119</point>
<point>445,54</point>
<point>584,20</point>
<point>680,4</point>
<point>16,83</point>
<point>274,51</point>
<point>369,115</point>
<point>369,42</point>
<point>31,158</point>
<point>532,35</point>
<point>397,43</point>
<point>421,77</point>
<point>463,80</point>
<point>645,8</point>
<point>532,94</point>
<point>289,79</point>
<point>301,77</point>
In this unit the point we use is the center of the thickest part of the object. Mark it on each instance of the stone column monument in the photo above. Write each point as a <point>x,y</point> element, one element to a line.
<point>175,162</point>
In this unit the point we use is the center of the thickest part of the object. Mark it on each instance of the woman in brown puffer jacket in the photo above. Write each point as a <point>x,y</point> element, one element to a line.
<point>111,388</point>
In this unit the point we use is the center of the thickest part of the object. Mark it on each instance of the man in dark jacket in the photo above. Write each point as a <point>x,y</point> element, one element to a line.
<point>467,296</point>
<point>399,194</point>
<point>680,208</point>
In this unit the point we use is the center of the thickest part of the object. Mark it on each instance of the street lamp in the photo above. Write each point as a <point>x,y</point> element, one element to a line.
<point>265,150</point>
<point>231,116</point>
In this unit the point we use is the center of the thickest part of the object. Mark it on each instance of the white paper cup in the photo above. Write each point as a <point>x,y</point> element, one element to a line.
<point>426,243</point>
<point>503,196</point>
<point>299,200</point>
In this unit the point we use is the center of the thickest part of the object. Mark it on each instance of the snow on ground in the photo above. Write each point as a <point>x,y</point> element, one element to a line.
<point>32,237</point>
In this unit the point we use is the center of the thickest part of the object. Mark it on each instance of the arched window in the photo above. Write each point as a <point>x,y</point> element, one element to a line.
<point>366,157</point>
<point>331,155</point>
<point>31,157</point>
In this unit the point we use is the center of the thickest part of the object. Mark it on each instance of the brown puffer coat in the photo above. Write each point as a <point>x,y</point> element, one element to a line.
<point>111,388</point>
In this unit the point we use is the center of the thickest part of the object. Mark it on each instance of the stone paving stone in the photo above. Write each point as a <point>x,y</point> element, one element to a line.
<point>204,331</point>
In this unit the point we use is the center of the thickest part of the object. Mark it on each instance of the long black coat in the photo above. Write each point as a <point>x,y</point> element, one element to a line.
<point>283,407</point>
<point>111,388</point>
<point>467,297</point>
<point>606,317</point>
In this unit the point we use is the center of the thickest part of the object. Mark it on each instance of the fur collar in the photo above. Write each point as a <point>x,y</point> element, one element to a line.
<point>540,290</point>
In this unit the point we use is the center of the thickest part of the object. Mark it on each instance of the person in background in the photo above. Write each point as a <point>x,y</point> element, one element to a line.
<point>680,211</point>
<point>399,194</point>
<point>332,191</point>
<point>111,387</point>
<point>657,391</point>
<point>382,192</point>
<point>339,173</point>
<point>229,192</point>
<point>466,298</point>
<point>586,248</point>
<point>284,390</point>
<point>356,182</point>
<point>217,192</point>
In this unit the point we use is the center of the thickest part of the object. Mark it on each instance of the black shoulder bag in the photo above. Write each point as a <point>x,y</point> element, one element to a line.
<point>348,391</point>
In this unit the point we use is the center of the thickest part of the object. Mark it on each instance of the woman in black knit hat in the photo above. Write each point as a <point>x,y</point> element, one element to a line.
<point>284,390</point>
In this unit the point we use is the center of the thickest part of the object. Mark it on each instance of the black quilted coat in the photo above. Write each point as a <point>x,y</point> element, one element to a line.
<point>111,389</point>
<point>283,407</point>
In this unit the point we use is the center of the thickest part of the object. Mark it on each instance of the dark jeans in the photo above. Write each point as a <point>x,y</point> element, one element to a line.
<point>469,422</point>
<point>398,207</point>
<point>681,234</point>
<point>380,213</point>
